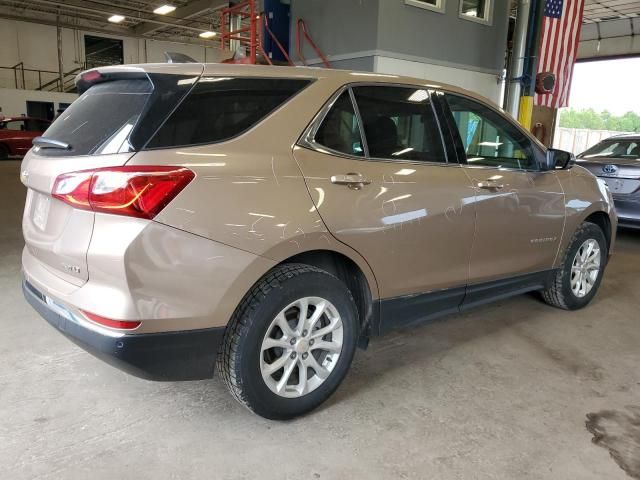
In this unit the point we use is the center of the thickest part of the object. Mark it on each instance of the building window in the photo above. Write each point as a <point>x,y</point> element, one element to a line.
<point>101,51</point>
<point>435,5</point>
<point>480,11</point>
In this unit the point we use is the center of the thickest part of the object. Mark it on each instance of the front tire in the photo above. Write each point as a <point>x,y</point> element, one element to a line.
<point>290,342</point>
<point>578,279</point>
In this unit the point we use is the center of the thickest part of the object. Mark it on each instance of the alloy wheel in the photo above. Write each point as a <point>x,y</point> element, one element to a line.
<point>585,268</point>
<point>301,347</point>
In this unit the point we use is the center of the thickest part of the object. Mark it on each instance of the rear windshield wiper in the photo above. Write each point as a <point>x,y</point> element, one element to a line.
<point>44,142</point>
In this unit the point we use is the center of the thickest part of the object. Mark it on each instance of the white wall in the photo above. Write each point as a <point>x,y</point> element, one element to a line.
<point>36,46</point>
<point>14,102</point>
<point>485,84</point>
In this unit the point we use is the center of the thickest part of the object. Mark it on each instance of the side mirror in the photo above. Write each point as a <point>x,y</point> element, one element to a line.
<point>558,159</point>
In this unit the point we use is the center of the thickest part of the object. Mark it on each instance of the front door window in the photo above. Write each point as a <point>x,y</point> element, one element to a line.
<point>488,139</point>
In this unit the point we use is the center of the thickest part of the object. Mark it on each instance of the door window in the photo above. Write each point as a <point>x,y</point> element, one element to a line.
<point>489,139</point>
<point>340,130</point>
<point>399,123</point>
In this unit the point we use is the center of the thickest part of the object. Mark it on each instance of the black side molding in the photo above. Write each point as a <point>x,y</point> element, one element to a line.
<point>487,292</point>
<point>399,312</point>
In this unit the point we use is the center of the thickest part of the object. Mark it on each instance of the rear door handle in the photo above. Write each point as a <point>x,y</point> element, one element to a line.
<point>354,181</point>
<point>490,185</point>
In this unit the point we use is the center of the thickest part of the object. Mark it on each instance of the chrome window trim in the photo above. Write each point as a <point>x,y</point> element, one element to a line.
<point>307,139</point>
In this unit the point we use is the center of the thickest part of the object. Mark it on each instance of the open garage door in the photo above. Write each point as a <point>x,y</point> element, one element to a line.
<point>610,29</point>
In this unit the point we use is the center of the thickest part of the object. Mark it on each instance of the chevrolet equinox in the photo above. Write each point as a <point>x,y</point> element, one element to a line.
<point>269,220</point>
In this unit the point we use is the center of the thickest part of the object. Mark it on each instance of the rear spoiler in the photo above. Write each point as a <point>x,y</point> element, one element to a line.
<point>84,80</point>
<point>115,72</point>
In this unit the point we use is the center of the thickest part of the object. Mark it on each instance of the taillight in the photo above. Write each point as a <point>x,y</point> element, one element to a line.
<point>108,322</point>
<point>133,191</point>
<point>91,76</point>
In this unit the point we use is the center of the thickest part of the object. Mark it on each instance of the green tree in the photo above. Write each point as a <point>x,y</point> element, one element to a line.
<point>592,120</point>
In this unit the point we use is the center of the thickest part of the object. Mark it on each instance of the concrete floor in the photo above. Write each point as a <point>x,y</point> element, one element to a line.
<point>499,392</point>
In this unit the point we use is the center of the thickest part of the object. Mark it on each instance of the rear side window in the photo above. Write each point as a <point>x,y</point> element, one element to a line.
<point>220,108</point>
<point>399,123</point>
<point>101,119</point>
<point>339,130</point>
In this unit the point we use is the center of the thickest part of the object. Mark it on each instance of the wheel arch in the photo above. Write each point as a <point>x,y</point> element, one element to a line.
<point>359,283</point>
<point>602,220</point>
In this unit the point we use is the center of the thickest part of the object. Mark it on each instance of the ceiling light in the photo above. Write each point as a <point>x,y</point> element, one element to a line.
<point>164,9</point>
<point>116,18</point>
<point>208,34</point>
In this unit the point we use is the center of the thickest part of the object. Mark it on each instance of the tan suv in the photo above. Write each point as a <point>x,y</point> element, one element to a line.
<point>272,219</point>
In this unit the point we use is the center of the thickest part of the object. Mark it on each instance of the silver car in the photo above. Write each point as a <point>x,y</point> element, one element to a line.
<point>617,161</point>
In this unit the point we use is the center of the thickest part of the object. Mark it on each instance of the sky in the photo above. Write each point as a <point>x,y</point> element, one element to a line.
<point>612,85</point>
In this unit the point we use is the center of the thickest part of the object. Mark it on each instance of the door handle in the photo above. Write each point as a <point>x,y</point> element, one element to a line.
<point>354,181</point>
<point>490,185</point>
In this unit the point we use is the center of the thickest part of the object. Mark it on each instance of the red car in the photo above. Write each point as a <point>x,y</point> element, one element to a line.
<point>16,134</point>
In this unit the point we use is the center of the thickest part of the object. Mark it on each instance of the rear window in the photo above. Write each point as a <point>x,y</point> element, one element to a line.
<point>119,115</point>
<point>100,120</point>
<point>220,108</point>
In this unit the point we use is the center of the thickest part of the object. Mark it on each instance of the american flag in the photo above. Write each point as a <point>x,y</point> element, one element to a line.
<point>558,47</point>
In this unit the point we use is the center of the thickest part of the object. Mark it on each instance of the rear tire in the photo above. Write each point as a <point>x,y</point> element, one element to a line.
<point>578,279</point>
<point>4,152</point>
<point>279,362</point>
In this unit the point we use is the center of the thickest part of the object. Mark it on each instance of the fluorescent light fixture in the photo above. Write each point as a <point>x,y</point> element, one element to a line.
<point>402,152</point>
<point>418,96</point>
<point>208,34</point>
<point>116,18</point>
<point>164,9</point>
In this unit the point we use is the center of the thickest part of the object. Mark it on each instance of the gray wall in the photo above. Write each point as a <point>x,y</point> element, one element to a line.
<point>444,37</point>
<point>363,64</point>
<point>337,26</point>
<point>342,27</point>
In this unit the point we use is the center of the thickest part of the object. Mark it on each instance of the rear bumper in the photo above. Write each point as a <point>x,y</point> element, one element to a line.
<point>168,356</point>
